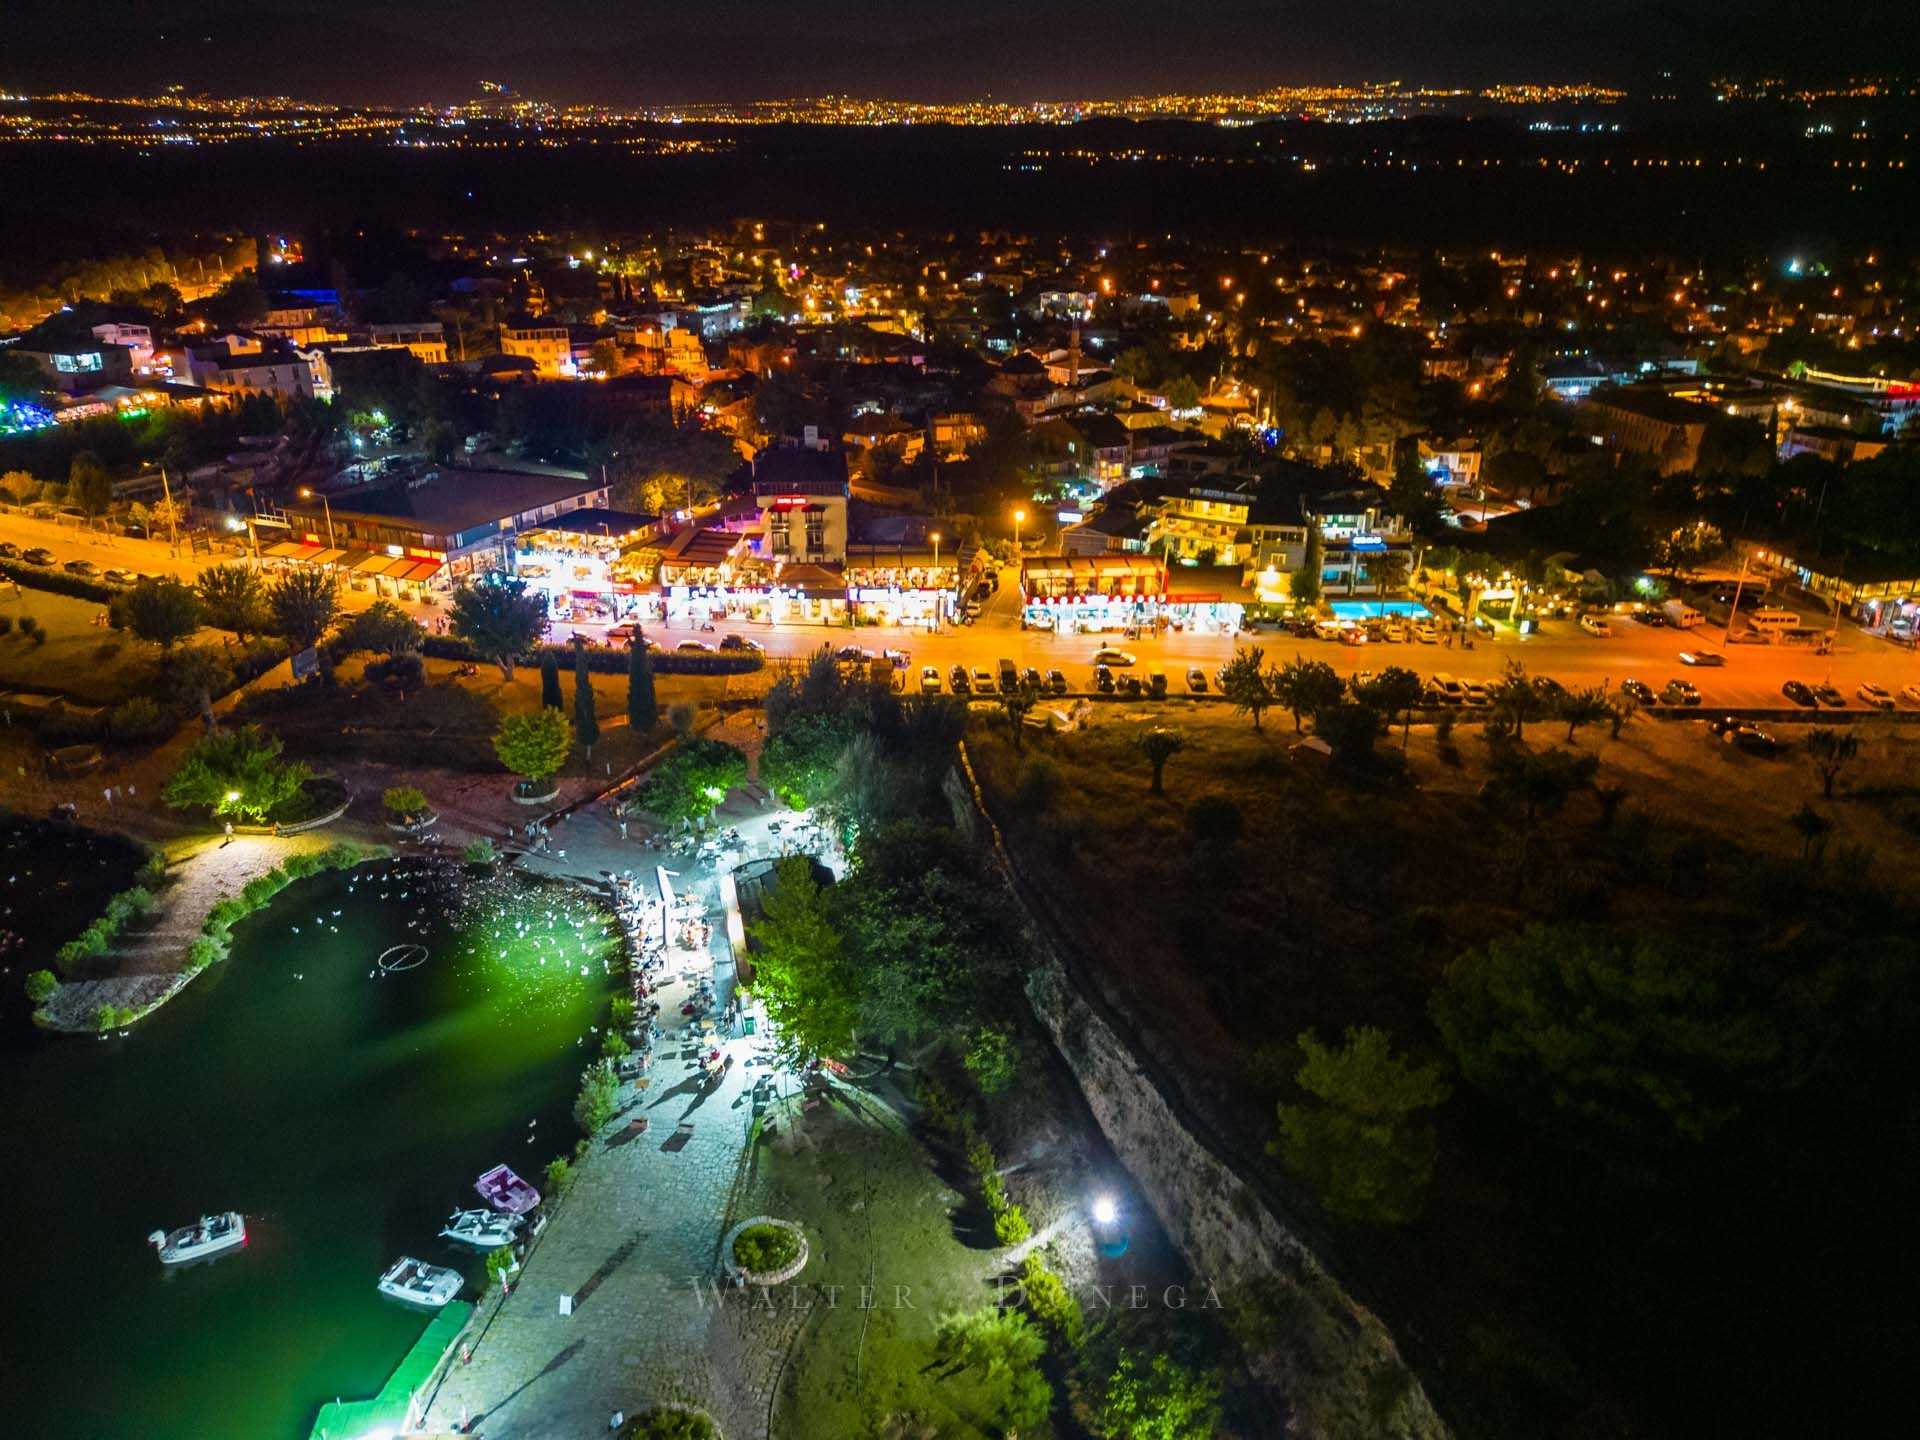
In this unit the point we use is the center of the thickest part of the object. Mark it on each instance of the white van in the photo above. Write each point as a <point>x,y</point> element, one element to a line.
<point>1681,615</point>
<point>1773,621</point>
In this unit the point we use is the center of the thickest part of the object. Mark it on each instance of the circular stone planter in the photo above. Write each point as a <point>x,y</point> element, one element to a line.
<point>528,792</point>
<point>414,826</point>
<point>735,1271</point>
<point>636,1426</point>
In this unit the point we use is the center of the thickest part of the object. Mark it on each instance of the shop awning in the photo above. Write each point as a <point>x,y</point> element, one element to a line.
<point>418,570</point>
<point>287,550</point>
<point>328,557</point>
<point>377,564</point>
<point>352,560</point>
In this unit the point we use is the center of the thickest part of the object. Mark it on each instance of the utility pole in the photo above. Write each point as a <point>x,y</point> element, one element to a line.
<point>1734,613</point>
<point>166,491</point>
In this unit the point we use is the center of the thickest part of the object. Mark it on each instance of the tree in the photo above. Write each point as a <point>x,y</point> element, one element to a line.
<point>1517,699</point>
<point>89,484</point>
<point>1611,1040</point>
<point>1357,1146</point>
<point>239,773</point>
<point>1007,1348</point>
<point>606,358</point>
<point>691,782</point>
<point>386,629</point>
<point>586,721</point>
<point>1247,683</point>
<point>1306,687</point>
<point>194,676</point>
<point>550,680</point>
<point>1411,495</point>
<point>992,1058</point>
<point>1350,727</point>
<point>498,618</point>
<point>161,612</point>
<point>1305,582</point>
<point>800,764</point>
<point>1812,827</point>
<point>1018,704</point>
<point>598,1097</point>
<point>801,970</point>
<point>1395,691</point>
<point>1584,707</point>
<point>233,597</point>
<point>1830,751</point>
<point>1160,745</point>
<point>1160,1400</point>
<point>643,707</point>
<point>536,745</point>
<point>42,986</point>
<point>1538,783</point>
<point>302,603</point>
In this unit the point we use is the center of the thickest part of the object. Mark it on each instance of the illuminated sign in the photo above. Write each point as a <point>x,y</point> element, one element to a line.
<point>789,502</point>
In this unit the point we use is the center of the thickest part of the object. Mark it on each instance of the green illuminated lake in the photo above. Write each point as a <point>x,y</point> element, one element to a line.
<point>344,1110</point>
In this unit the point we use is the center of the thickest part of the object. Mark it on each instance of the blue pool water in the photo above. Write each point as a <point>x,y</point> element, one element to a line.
<point>1375,609</point>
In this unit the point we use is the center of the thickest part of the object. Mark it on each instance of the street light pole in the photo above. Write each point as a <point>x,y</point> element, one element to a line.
<point>1019,517</point>
<point>326,506</point>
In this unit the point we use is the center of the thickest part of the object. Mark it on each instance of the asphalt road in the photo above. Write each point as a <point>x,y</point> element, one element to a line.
<point>1751,677</point>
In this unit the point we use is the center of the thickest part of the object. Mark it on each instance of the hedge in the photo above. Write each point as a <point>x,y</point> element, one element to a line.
<point>36,577</point>
<point>216,935</point>
<point>98,937</point>
<point>603,659</point>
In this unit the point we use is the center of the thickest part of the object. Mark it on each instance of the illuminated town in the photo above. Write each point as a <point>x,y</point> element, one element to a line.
<point>1204,765</point>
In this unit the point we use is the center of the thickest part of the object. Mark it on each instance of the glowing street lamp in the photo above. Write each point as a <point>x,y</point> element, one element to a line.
<point>309,494</point>
<point>1019,519</point>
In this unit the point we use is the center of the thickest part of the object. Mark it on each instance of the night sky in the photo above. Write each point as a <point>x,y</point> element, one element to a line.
<point>640,51</point>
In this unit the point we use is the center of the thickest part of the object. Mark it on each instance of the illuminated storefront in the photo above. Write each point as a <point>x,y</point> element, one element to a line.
<point>1089,594</point>
<point>904,587</point>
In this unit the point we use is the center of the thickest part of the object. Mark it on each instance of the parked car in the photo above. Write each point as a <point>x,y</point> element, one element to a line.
<point>1103,679</point>
<point>38,556</point>
<point>1910,693</point>
<point>929,680</point>
<point>1595,625</point>
<point>624,631</point>
<point>120,577</point>
<point>1705,659</point>
<point>1130,686</point>
<point>1197,681</point>
<point>852,654</point>
<point>1827,693</point>
<point>81,567</point>
<point>1679,692</point>
<point>9,550</point>
<point>1724,725</point>
<point>1755,741</point>
<point>1426,634</point>
<point>742,644</point>
<point>1031,679</point>
<point>1875,696</point>
<point>957,680</point>
<point>694,647</point>
<point>1800,693</point>
<point>1477,693</point>
<point>1157,684</point>
<point>1112,657</point>
<point>982,680</point>
<point>1640,691</point>
<point>1009,675</point>
<point>1056,682</point>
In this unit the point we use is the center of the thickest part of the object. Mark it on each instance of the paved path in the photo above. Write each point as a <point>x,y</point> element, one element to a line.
<point>641,1226</point>
<point>148,967</point>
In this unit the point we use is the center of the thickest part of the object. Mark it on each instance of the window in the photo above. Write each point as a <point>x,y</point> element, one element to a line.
<point>816,533</point>
<point>779,533</point>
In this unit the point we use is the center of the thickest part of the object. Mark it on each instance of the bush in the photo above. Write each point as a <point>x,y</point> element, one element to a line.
<point>1050,1303</point>
<point>403,802</point>
<point>480,852</point>
<point>558,1178</point>
<point>614,1046</point>
<point>114,1017</point>
<point>623,1012</point>
<point>1010,1226</point>
<point>599,1097</point>
<point>761,1249</point>
<point>6,624</point>
<point>138,719</point>
<point>41,986</point>
<point>59,583</point>
<point>603,660</point>
<point>204,951</point>
<point>402,672</point>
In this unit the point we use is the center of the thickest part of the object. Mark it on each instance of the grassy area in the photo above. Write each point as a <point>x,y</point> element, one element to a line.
<point>1543,1291</point>
<point>874,1213</point>
<point>79,658</point>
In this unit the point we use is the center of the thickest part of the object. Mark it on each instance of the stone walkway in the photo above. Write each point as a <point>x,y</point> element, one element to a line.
<point>638,1233</point>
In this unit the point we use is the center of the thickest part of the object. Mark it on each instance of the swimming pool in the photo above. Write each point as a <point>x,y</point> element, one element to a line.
<point>1375,609</point>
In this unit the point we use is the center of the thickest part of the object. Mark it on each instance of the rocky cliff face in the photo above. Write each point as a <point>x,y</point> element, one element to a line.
<point>1332,1364</point>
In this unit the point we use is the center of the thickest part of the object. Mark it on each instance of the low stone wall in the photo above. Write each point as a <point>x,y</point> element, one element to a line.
<point>1329,1361</point>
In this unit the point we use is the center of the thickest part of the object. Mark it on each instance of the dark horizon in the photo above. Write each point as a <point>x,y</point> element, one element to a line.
<point>597,51</point>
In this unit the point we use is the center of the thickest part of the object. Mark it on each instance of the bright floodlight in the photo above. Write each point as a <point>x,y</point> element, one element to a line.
<point>1105,1211</point>
<point>232,795</point>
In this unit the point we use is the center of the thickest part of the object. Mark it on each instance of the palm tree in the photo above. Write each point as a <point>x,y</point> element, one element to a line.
<point>1159,746</point>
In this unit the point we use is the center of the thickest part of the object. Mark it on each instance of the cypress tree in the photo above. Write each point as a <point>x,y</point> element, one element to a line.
<point>586,725</point>
<point>550,680</point>
<point>643,710</point>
